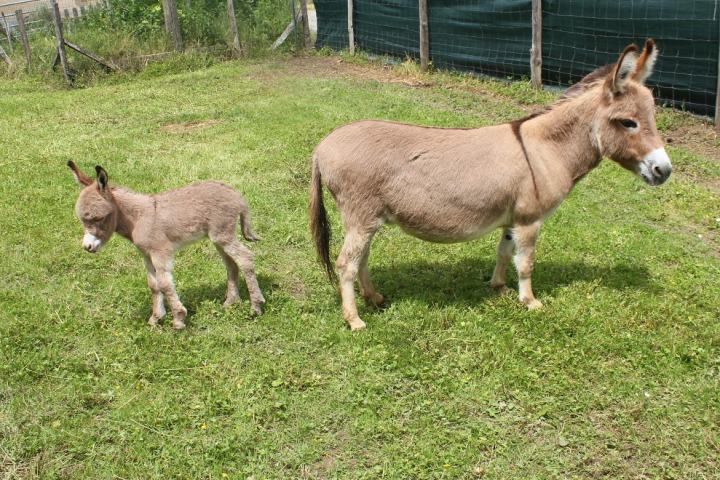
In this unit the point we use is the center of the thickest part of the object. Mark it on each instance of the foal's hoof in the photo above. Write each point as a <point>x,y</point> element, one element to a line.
<point>153,321</point>
<point>256,310</point>
<point>356,325</point>
<point>533,304</point>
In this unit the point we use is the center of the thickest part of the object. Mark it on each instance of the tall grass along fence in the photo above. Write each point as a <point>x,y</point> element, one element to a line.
<point>568,39</point>
<point>70,35</point>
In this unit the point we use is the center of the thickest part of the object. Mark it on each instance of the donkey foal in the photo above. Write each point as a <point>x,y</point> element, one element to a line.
<point>158,225</point>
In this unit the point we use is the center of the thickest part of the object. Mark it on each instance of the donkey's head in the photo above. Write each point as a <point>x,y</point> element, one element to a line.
<point>95,208</point>
<point>624,124</point>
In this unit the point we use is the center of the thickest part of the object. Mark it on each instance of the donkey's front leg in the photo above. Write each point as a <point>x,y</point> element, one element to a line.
<point>163,274</point>
<point>158,302</point>
<point>525,237</point>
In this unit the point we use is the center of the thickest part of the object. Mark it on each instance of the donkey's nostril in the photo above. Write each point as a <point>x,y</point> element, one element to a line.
<point>657,171</point>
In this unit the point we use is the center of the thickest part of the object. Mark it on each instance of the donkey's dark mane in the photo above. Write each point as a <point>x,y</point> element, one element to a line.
<point>574,91</point>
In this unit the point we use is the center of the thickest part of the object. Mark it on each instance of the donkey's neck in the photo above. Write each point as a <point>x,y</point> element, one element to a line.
<point>131,206</point>
<point>568,128</point>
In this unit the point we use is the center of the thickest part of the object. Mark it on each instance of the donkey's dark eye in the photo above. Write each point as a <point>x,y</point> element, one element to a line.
<point>627,123</point>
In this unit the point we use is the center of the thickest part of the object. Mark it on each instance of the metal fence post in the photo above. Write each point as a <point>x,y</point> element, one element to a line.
<point>424,42</point>
<point>351,28</point>
<point>536,49</point>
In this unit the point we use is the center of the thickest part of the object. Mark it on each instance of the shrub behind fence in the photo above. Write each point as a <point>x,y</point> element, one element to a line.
<point>577,36</point>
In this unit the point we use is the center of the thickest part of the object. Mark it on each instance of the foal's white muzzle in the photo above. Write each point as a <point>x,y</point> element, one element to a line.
<point>91,243</point>
<point>655,167</point>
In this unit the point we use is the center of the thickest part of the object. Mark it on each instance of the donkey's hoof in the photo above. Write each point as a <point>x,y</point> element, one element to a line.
<point>178,324</point>
<point>229,302</point>
<point>533,304</point>
<point>377,300</point>
<point>356,325</point>
<point>153,321</point>
<point>256,310</point>
<point>500,289</point>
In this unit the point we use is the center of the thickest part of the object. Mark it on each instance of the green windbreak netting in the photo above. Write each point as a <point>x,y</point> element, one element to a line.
<point>487,37</point>
<point>494,37</point>
<point>578,36</point>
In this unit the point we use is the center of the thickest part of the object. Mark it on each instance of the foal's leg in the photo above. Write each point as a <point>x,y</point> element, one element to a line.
<point>232,295</point>
<point>355,247</point>
<point>163,274</point>
<point>504,254</point>
<point>525,238</point>
<point>367,289</point>
<point>158,305</point>
<point>243,258</point>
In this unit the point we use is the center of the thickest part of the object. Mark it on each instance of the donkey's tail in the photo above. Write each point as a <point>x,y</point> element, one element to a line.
<point>245,228</point>
<point>319,224</point>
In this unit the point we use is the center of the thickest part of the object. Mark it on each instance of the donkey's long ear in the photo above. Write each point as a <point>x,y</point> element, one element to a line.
<point>82,179</point>
<point>102,178</point>
<point>620,74</point>
<point>646,62</point>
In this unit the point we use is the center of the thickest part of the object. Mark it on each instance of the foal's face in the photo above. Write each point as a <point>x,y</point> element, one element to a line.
<point>98,214</point>
<point>95,208</point>
<point>625,122</point>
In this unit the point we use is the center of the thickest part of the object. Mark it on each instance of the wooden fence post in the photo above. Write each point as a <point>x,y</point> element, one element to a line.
<point>536,49</point>
<point>172,23</point>
<point>424,41</point>
<point>351,28</point>
<point>237,48</point>
<point>23,36</point>
<point>60,40</point>
<point>305,23</point>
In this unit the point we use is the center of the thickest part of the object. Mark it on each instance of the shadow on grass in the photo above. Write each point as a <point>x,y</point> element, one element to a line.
<point>468,281</point>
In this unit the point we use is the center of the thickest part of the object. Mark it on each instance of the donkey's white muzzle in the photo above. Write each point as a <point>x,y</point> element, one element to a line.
<point>91,243</point>
<point>655,167</point>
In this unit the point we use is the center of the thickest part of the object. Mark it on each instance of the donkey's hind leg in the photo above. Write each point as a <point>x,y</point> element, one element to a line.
<point>243,258</point>
<point>355,247</point>
<point>232,295</point>
<point>367,289</point>
<point>504,254</point>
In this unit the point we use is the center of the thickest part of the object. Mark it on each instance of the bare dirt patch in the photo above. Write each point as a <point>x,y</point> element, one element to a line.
<point>697,136</point>
<point>188,126</point>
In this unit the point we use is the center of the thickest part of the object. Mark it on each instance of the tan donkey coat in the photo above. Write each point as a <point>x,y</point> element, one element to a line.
<point>160,224</point>
<point>453,185</point>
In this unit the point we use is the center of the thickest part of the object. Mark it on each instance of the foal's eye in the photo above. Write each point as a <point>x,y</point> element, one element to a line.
<point>627,123</point>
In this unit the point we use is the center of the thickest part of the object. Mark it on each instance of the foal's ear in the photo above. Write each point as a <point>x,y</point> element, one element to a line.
<point>646,62</point>
<point>102,178</point>
<point>82,179</point>
<point>625,66</point>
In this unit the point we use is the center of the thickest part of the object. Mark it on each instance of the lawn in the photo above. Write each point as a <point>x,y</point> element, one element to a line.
<point>617,377</point>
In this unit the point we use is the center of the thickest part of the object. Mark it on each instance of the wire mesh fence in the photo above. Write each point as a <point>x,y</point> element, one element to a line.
<point>577,36</point>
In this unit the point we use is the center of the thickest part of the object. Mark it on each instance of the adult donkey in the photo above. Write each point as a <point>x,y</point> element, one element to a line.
<point>453,185</point>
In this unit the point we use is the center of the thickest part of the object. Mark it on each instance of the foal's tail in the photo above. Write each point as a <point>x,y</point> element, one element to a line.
<point>319,224</point>
<point>245,228</point>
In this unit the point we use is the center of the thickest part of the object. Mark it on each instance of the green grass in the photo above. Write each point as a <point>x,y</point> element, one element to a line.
<point>617,377</point>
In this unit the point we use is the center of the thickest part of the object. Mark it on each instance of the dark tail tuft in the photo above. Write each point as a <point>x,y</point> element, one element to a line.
<point>319,224</point>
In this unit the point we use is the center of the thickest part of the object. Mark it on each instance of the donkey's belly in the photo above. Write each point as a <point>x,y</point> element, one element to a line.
<point>442,230</point>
